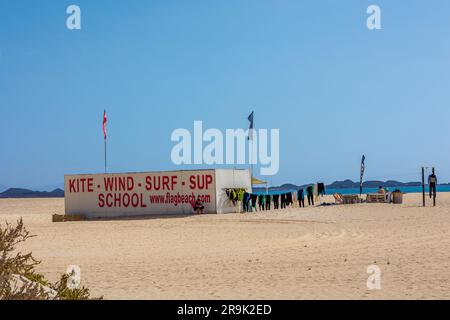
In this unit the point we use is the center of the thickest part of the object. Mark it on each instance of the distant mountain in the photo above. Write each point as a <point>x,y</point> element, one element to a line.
<point>349,184</point>
<point>26,193</point>
<point>50,187</point>
<point>3,188</point>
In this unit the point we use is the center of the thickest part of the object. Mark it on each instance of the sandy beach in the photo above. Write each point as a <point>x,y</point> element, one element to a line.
<point>311,253</point>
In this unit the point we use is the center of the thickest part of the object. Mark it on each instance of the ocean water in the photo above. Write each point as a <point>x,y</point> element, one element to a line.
<point>368,190</point>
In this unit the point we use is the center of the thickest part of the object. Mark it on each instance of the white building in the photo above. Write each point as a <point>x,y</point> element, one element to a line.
<point>152,193</point>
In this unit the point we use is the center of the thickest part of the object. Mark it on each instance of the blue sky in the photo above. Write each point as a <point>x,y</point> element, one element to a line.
<point>309,68</point>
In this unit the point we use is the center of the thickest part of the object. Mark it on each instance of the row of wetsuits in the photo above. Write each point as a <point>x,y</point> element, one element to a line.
<point>251,202</point>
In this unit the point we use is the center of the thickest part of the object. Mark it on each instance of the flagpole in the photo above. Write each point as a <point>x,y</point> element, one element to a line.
<point>105,155</point>
<point>105,119</point>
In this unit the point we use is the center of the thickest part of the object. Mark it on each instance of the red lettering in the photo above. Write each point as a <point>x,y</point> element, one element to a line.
<point>174,182</point>
<point>90,185</point>
<point>121,183</point>
<point>126,200</point>
<point>108,200</point>
<point>83,180</point>
<point>165,183</point>
<point>81,185</point>
<point>117,200</point>
<point>109,183</point>
<point>71,185</point>
<point>130,183</point>
<point>209,179</point>
<point>134,200</point>
<point>157,186</point>
<point>148,183</point>
<point>200,181</point>
<point>143,205</point>
<point>101,200</point>
<point>192,184</point>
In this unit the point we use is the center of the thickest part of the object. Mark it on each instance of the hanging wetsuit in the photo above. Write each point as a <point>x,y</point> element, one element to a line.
<point>261,202</point>
<point>283,201</point>
<point>254,200</point>
<point>321,189</point>
<point>235,197</point>
<point>267,202</point>
<point>289,199</point>
<point>310,195</point>
<point>275,201</point>
<point>231,195</point>
<point>245,201</point>
<point>301,198</point>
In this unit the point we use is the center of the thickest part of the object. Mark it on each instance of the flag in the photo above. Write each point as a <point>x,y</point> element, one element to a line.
<point>363,167</point>
<point>105,119</point>
<point>250,128</point>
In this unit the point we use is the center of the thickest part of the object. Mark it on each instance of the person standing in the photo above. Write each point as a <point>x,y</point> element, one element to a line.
<point>432,182</point>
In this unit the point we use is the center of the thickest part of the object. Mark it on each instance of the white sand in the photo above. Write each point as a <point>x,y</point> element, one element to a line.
<point>312,253</point>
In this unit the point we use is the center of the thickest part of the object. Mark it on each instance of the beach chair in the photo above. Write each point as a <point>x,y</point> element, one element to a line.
<point>338,198</point>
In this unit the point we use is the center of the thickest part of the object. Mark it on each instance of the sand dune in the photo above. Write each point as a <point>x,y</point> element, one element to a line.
<point>311,253</point>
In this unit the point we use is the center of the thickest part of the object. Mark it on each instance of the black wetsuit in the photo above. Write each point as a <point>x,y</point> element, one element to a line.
<point>301,198</point>
<point>289,199</point>
<point>283,201</point>
<point>254,199</point>
<point>261,202</point>
<point>275,201</point>
<point>268,202</point>
<point>310,195</point>
<point>321,189</point>
<point>245,201</point>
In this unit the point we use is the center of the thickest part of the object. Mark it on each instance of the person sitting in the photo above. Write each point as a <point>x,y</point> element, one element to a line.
<point>199,207</point>
<point>381,190</point>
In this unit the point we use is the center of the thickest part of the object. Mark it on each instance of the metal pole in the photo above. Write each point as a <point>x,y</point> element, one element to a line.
<point>105,155</point>
<point>434,192</point>
<point>251,157</point>
<point>423,186</point>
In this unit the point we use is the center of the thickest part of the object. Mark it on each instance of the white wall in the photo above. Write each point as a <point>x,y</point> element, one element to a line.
<point>95,201</point>
<point>230,178</point>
